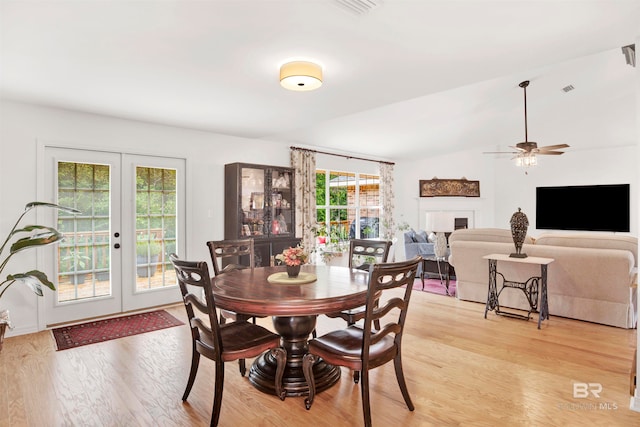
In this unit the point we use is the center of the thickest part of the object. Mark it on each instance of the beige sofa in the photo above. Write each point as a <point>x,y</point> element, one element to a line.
<point>593,277</point>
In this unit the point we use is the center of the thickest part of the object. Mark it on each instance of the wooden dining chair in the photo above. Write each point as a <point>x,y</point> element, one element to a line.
<point>231,254</point>
<point>362,254</point>
<point>220,343</point>
<point>364,348</point>
<point>226,256</point>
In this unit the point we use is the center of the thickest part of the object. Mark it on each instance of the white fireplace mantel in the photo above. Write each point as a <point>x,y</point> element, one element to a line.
<point>457,207</point>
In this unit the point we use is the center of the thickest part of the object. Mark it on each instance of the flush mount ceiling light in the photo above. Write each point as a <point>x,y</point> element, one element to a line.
<point>300,75</point>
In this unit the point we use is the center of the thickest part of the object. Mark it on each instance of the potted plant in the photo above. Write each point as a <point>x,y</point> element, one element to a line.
<point>320,230</point>
<point>102,257</point>
<point>147,254</point>
<point>77,263</point>
<point>27,237</point>
<point>293,258</point>
<point>103,272</point>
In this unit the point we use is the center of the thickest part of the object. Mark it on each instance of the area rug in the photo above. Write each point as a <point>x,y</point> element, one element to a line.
<point>109,329</point>
<point>433,286</point>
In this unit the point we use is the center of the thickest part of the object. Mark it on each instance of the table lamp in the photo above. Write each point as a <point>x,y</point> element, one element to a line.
<point>441,223</point>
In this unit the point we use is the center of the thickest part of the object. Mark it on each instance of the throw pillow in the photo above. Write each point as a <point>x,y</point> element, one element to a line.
<point>421,236</point>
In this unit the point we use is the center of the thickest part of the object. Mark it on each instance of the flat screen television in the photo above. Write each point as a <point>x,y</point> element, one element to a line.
<point>584,207</point>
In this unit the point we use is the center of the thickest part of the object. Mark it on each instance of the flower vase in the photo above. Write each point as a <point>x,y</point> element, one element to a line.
<point>293,271</point>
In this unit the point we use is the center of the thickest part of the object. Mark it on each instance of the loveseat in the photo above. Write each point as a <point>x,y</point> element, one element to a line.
<point>417,243</point>
<point>593,277</point>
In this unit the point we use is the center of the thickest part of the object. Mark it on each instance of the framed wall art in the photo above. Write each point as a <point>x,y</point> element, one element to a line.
<point>449,188</point>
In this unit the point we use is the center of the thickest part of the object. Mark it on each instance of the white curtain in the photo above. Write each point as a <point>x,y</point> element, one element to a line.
<point>304,163</point>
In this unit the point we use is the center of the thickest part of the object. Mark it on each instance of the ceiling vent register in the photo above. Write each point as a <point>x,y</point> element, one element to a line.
<point>358,7</point>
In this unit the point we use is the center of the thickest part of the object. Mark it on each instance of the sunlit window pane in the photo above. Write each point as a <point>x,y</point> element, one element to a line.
<point>156,227</point>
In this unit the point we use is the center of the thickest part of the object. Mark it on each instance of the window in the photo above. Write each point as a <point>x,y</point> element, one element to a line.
<point>347,206</point>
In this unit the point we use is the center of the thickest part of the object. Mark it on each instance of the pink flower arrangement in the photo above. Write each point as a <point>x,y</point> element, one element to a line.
<point>293,256</point>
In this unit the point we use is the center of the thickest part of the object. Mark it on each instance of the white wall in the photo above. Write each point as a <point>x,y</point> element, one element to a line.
<point>503,187</point>
<point>23,126</point>
<point>514,189</point>
<point>469,164</point>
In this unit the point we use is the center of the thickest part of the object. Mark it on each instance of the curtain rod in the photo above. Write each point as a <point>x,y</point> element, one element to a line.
<point>341,155</point>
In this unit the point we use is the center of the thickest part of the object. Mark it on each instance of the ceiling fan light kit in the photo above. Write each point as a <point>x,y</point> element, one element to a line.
<point>526,160</point>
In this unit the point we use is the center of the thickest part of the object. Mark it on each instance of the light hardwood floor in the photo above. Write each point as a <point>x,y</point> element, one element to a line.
<point>461,370</point>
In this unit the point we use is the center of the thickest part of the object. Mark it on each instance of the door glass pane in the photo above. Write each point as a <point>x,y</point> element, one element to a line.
<point>156,227</point>
<point>83,255</point>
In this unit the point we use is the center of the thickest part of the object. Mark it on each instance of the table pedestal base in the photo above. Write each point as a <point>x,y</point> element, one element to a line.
<point>295,333</point>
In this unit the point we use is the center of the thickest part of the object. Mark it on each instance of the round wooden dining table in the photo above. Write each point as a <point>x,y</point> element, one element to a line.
<point>294,307</point>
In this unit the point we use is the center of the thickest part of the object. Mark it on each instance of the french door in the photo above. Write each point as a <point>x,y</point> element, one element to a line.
<point>115,255</point>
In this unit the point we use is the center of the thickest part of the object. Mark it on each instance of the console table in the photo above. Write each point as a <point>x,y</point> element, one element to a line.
<point>532,287</point>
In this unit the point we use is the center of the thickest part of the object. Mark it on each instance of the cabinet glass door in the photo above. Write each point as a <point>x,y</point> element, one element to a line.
<point>252,202</point>
<point>281,207</point>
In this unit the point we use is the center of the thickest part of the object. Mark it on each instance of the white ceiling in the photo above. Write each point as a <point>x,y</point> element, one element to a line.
<point>407,79</point>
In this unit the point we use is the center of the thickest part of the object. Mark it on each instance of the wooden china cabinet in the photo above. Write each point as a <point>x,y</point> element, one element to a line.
<point>260,203</point>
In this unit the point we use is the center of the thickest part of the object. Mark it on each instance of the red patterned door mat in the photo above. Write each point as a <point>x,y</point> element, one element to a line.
<point>109,329</point>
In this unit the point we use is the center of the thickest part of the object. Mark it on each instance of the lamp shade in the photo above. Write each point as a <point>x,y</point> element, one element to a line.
<point>300,76</point>
<point>440,222</point>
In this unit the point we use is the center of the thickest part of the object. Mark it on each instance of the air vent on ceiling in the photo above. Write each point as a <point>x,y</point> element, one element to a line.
<point>568,88</point>
<point>358,7</point>
<point>630,54</point>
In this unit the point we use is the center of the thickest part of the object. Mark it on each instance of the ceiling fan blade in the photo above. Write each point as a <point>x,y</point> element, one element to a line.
<point>517,148</point>
<point>553,147</point>
<point>500,152</point>
<point>552,153</point>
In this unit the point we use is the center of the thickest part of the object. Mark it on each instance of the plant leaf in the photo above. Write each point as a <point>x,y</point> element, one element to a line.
<point>33,279</point>
<point>32,205</point>
<point>47,236</point>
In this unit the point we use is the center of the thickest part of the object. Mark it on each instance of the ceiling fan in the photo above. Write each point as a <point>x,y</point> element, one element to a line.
<point>528,150</point>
